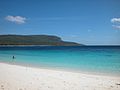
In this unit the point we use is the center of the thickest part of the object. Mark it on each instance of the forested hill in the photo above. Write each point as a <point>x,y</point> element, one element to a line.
<point>34,40</point>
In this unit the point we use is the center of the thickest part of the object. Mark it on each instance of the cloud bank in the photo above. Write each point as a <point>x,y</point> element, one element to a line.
<point>117,27</point>
<point>116,21</point>
<point>16,19</point>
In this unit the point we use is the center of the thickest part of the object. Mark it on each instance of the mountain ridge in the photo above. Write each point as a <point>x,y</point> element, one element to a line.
<point>52,40</point>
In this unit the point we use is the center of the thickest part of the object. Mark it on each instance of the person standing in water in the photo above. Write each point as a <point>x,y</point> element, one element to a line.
<point>13,57</point>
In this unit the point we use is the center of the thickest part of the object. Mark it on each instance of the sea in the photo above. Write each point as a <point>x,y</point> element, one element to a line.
<point>86,59</point>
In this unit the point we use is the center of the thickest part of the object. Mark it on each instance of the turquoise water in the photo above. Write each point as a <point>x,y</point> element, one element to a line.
<point>100,59</point>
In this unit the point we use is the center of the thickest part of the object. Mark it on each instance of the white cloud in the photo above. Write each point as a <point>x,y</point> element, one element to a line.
<point>115,20</point>
<point>116,27</point>
<point>16,19</point>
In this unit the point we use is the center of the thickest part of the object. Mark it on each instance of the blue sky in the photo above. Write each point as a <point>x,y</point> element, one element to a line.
<point>90,22</point>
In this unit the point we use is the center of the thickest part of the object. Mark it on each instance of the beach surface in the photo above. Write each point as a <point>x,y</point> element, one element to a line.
<point>15,77</point>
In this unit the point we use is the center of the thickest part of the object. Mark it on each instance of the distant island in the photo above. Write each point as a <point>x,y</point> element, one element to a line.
<point>35,40</point>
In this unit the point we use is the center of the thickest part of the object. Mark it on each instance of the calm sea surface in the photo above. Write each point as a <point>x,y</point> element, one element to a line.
<point>99,59</point>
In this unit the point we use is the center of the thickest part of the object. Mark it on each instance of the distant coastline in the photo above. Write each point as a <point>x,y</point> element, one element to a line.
<point>34,40</point>
<point>52,45</point>
<point>23,45</point>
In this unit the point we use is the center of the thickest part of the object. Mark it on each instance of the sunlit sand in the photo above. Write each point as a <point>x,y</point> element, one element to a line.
<point>14,77</point>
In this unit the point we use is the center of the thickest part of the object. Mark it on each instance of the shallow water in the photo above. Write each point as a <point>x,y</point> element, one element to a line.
<point>99,59</point>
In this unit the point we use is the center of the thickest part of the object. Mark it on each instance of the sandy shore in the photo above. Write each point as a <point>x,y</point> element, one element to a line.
<point>14,77</point>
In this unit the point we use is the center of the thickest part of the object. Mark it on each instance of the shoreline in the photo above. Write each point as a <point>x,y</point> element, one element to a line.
<point>63,69</point>
<point>61,45</point>
<point>17,77</point>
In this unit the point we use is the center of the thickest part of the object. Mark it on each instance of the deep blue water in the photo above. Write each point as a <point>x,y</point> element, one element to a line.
<point>100,59</point>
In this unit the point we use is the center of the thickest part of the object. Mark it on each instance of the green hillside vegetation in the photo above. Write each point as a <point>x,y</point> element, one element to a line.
<point>34,40</point>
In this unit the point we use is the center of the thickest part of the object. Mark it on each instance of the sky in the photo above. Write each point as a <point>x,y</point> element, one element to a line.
<point>89,22</point>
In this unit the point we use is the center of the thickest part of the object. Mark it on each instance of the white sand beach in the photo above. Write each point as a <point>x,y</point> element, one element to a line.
<point>15,77</point>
